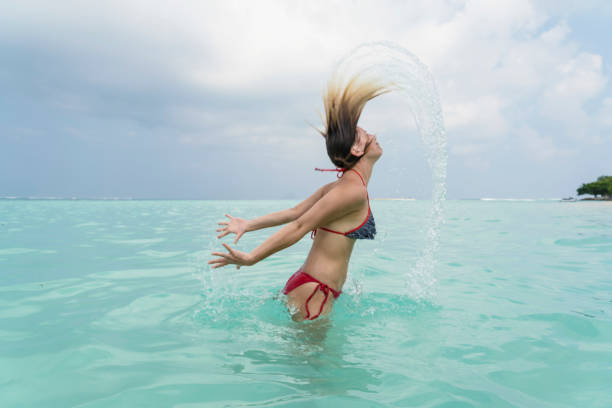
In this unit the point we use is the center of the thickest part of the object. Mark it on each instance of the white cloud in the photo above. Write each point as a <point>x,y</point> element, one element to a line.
<point>481,116</point>
<point>464,149</point>
<point>604,115</point>
<point>575,81</point>
<point>484,54</point>
<point>234,72</point>
<point>541,147</point>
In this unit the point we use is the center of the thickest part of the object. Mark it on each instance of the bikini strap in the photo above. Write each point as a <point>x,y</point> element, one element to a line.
<point>340,171</point>
<point>325,289</point>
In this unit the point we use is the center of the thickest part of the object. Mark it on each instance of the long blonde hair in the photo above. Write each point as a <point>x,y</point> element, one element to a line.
<point>343,106</point>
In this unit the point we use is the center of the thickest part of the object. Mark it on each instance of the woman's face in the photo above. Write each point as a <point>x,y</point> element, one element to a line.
<point>366,144</point>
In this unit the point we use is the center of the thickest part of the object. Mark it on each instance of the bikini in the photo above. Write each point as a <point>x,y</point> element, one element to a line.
<point>366,230</point>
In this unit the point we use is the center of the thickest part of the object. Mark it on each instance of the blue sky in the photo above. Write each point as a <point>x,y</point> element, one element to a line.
<point>210,100</point>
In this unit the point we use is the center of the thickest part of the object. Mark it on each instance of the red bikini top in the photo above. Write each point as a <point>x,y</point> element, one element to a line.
<point>368,230</point>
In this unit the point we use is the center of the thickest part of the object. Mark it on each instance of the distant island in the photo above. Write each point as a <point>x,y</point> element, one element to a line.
<point>602,188</point>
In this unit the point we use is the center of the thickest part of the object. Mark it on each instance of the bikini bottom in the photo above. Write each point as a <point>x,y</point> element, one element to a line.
<point>299,278</point>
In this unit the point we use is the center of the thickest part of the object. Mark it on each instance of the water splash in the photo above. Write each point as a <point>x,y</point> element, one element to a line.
<point>390,62</point>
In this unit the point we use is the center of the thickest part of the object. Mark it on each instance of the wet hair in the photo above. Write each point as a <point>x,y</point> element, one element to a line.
<point>343,104</point>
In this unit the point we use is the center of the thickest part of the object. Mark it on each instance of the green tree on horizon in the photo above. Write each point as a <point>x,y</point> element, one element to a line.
<point>602,187</point>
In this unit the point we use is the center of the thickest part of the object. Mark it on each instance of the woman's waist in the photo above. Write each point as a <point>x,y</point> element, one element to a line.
<point>332,273</point>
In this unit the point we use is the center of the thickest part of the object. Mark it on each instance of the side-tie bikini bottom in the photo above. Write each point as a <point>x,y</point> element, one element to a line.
<point>299,278</point>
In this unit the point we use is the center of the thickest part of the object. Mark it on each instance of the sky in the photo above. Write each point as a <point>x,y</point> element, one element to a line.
<point>214,100</point>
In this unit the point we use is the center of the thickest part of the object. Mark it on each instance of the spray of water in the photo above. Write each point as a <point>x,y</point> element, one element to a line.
<point>390,62</point>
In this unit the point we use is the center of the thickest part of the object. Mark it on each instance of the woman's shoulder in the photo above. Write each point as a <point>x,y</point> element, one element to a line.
<point>351,187</point>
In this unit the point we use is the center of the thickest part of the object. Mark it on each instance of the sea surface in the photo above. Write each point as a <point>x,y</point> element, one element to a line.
<point>112,304</point>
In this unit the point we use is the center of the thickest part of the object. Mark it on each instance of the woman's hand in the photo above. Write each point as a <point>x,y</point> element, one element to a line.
<point>237,226</point>
<point>234,257</point>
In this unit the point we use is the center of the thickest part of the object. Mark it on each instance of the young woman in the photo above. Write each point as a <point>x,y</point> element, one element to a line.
<point>336,214</point>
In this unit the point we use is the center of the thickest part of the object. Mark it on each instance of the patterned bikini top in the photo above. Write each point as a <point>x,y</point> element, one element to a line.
<point>366,230</point>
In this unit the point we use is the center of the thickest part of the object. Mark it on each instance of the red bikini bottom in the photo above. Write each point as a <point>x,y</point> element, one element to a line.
<point>299,278</point>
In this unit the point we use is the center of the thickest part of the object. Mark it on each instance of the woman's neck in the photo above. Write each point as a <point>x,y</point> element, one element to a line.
<point>364,167</point>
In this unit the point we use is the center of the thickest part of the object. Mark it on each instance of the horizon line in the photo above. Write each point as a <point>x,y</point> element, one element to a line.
<point>54,198</point>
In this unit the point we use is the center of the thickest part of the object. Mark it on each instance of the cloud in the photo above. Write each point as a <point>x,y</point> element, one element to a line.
<point>482,116</point>
<point>542,147</point>
<point>604,115</point>
<point>229,74</point>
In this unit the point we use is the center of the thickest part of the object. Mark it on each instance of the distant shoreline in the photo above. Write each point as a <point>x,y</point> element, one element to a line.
<point>595,199</point>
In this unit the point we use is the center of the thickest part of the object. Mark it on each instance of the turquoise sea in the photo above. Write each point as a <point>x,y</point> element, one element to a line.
<point>112,304</point>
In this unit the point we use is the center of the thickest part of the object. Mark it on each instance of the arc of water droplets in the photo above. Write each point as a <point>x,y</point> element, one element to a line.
<point>390,62</point>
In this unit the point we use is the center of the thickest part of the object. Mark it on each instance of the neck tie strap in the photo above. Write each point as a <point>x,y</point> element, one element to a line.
<point>340,171</point>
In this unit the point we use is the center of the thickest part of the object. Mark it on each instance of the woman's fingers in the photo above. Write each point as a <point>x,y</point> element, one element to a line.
<point>222,235</point>
<point>222,254</point>
<point>226,258</point>
<point>229,216</point>
<point>233,257</point>
<point>223,223</point>
<point>231,251</point>
<point>217,263</point>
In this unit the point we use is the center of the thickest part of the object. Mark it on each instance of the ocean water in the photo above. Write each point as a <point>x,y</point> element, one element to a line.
<point>111,304</point>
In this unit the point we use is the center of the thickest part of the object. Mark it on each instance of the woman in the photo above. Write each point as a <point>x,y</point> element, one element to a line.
<point>337,214</point>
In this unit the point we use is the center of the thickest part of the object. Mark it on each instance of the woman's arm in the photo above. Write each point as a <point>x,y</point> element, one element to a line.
<point>239,226</point>
<point>271,220</point>
<point>291,214</point>
<point>335,204</point>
